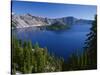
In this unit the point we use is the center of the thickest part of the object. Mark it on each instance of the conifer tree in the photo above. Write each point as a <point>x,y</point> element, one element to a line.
<point>91,45</point>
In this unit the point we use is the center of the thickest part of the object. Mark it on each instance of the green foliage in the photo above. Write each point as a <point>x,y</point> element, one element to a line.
<point>33,59</point>
<point>91,45</point>
<point>57,27</point>
<point>77,62</point>
<point>88,59</point>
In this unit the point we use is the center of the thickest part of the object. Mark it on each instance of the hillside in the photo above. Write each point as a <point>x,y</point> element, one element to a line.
<point>28,20</point>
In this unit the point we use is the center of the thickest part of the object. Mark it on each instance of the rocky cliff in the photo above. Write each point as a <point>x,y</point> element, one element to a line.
<point>27,20</point>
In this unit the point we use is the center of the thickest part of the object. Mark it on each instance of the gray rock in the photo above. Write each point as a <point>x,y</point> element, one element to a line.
<point>27,20</point>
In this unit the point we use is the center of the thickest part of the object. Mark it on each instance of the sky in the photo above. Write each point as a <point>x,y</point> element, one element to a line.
<point>54,10</point>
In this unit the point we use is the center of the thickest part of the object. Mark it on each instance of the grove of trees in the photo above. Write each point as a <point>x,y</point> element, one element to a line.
<point>32,59</point>
<point>28,58</point>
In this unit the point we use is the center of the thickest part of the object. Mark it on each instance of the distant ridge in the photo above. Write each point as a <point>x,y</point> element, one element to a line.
<point>28,20</point>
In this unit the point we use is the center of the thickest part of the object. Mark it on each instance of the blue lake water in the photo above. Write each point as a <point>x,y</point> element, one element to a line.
<point>60,43</point>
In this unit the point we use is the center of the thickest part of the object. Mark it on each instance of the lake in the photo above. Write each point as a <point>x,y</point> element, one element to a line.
<point>60,43</point>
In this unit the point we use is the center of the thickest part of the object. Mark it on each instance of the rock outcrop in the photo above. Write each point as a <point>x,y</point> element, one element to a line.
<point>27,20</point>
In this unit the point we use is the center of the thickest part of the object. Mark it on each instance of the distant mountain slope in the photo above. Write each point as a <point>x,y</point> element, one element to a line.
<point>27,20</point>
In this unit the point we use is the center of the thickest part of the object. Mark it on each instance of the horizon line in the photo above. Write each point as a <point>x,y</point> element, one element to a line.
<point>12,13</point>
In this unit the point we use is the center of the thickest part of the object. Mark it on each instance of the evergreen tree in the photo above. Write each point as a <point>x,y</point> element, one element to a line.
<point>91,45</point>
<point>27,58</point>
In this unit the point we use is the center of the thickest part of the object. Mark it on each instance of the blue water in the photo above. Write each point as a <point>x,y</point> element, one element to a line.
<point>60,43</point>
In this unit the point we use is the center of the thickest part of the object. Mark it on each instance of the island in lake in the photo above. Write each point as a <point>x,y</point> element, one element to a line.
<point>28,20</point>
<point>49,37</point>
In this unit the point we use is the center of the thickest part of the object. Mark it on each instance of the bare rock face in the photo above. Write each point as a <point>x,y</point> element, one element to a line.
<point>27,20</point>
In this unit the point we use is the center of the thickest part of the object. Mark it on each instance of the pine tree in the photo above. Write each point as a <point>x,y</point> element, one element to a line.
<point>91,45</point>
<point>27,58</point>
